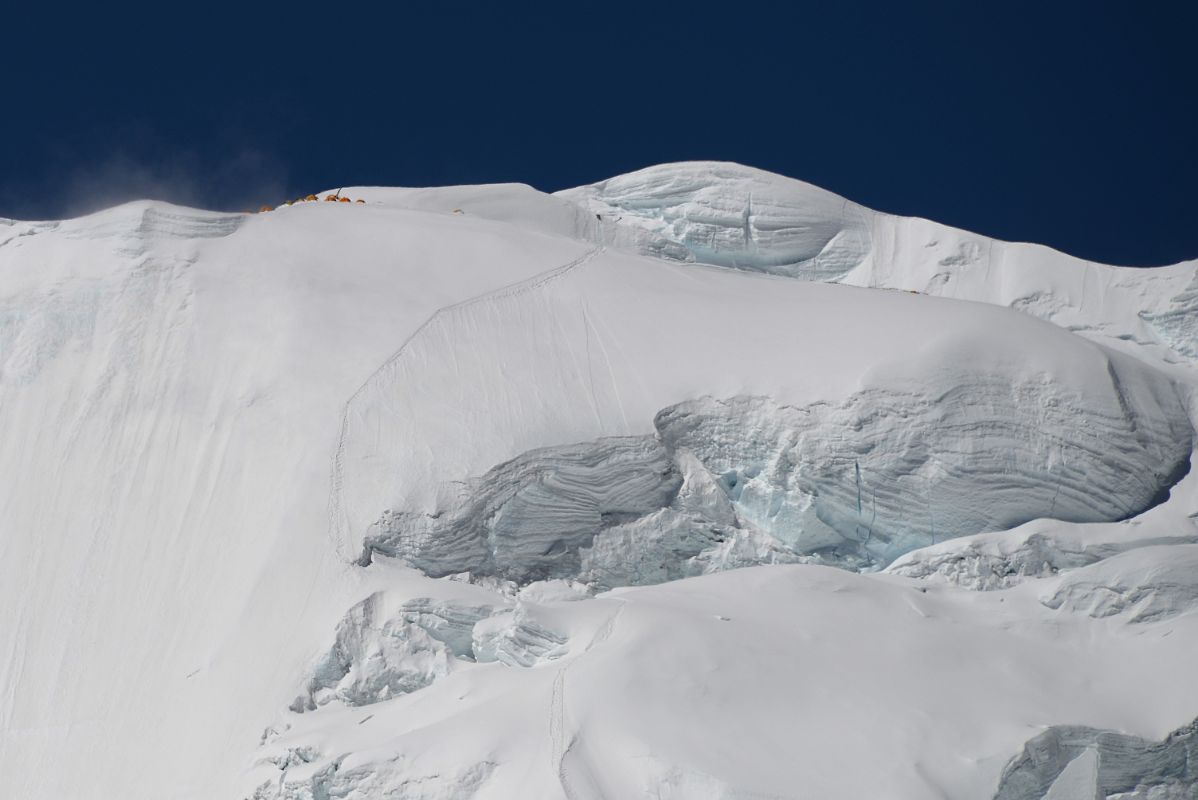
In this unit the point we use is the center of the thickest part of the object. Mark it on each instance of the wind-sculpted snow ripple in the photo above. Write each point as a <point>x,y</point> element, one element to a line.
<point>734,482</point>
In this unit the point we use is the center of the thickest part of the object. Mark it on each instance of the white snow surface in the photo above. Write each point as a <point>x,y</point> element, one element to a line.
<point>484,492</point>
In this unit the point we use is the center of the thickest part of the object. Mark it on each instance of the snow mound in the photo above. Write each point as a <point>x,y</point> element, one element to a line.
<point>732,216</point>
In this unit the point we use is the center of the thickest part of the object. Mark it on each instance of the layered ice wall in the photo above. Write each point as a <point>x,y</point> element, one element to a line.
<point>732,216</point>
<point>801,443</point>
<point>1079,763</point>
<point>207,420</point>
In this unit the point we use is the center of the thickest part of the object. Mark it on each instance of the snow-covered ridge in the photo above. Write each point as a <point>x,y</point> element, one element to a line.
<point>206,418</point>
<point>857,484</point>
<point>731,215</point>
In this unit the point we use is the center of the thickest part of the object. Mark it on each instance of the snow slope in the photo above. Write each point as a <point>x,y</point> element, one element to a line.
<point>337,501</point>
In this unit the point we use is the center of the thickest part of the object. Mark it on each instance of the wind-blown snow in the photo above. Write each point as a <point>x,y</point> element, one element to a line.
<point>330,501</point>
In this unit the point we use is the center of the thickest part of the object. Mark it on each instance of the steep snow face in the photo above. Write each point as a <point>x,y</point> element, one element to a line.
<point>732,216</point>
<point>170,387</point>
<point>207,419</point>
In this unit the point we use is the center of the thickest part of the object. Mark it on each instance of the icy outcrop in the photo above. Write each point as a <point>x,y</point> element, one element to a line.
<point>1072,762</point>
<point>729,215</point>
<point>888,472</point>
<point>175,543</point>
<point>700,532</point>
<point>1146,584</point>
<point>450,623</point>
<point>384,648</point>
<point>1042,548</point>
<point>527,519</point>
<point>732,216</point>
<point>554,591</point>
<point>986,564</point>
<point>1177,323</point>
<point>729,483</point>
<point>517,638</point>
<point>375,656</point>
<point>358,778</point>
<point>1078,781</point>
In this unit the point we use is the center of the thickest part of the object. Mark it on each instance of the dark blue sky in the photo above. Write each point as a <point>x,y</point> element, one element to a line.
<point>1071,124</point>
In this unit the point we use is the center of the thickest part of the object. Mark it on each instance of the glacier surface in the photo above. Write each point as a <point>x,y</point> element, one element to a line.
<point>698,482</point>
